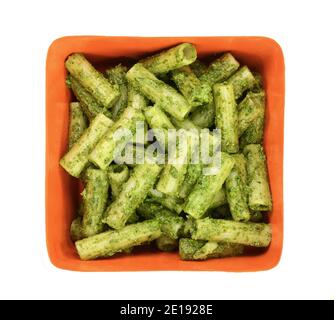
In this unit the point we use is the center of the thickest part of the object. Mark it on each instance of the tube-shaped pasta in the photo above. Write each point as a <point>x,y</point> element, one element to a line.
<point>204,117</point>
<point>118,174</point>
<point>78,123</point>
<point>157,119</point>
<point>76,229</point>
<point>254,133</point>
<point>159,92</point>
<point>76,159</point>
<point>165,243</point>
<point>88,103</point>
<point>110,242</point>
<point>171,224</point>
<point>116,75</point>
<point>149,209</point>
<point>258,85</point>
<point>116,138</point>
<point>220,69</point>
<point>196,92</point>
<point>169,202</point>
<point>185,124</point>
<point>198,67</point>
<point>133,193</point>
<point>241,81</point>
<point>190,249</point>
<point>135,99</point>
<point>173,58</point>
<point>246,233</point>
<point>94,199</point>
<point>173,174</point>
<point>194,171</point>
<point>236,190</point>
<point>218,250</point>
<point>226,117</point>
<point>207,186</point>
<point>92,80</point>
<point>259,197</point>
<point>219,199</point>
<point>249,110</point>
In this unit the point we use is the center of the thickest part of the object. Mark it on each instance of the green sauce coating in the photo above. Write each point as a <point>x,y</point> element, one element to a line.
<point>76,229</point>
<point>236,191</point>
<point>133,193</point>
<point>170,202</point>
<point>196,92</point>
<point>198,67</point>
<point>95,197</point>
<point>226,117</point>
<point>254,133</point>
<point>92,80</point>
<point>110,242</point>
<point>241,81</point>
<point>259,196</point>
<point>167,244</point>
<point>204,116</point>
<point>245,233</point>
<point>203,193</point>
<point>173,58</point>
<point>135,99</point>
<point>88,103</point>
<point>159,92</point>
<point>118,174</point>
<point>116,76</point>
<point>220,69</point>
<point>76,159</point>
<point>105,151</point>
<point>250,109</point>
<point>78,123</point>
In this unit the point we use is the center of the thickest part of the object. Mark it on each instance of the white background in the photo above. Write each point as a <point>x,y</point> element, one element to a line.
<point>305,31</point>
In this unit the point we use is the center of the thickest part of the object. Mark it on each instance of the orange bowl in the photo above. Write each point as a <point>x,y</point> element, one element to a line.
<point>62,191</point>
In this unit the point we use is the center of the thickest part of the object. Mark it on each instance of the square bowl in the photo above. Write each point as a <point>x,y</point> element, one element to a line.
<point>62,191</point>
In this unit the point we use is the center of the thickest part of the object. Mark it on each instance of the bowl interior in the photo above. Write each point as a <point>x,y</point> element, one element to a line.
<point>63,192</point>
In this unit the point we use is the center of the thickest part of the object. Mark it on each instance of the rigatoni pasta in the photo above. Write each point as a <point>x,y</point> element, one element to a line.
<point>169,150</point>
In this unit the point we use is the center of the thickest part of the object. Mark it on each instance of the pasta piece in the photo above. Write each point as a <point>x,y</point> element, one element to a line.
<point>167,244</point>
<point>116,138</point>
<point>226,117</point>
<point>76,159</point>
<point>118,174</point>
<point>220,69</point>
<point>236,190</point>
<point>92,80</point>
<point>78,123</point>
<point>94,197</point>
<point>250,109</point>
<point>245,233</point>
<point>204,117</point>
<point>89,104</point>
<point>259,197</point>
<point>196,92</point>
<point>110,242</point>
<point>76,229</point>
<point>134,192</point>
<point>135,99</point>
<point>207,186</point>
<point>116,76</point>
<point>198,67</point>
<point>241,81</point>
<point>173,58</point>
<point>159,92</point>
